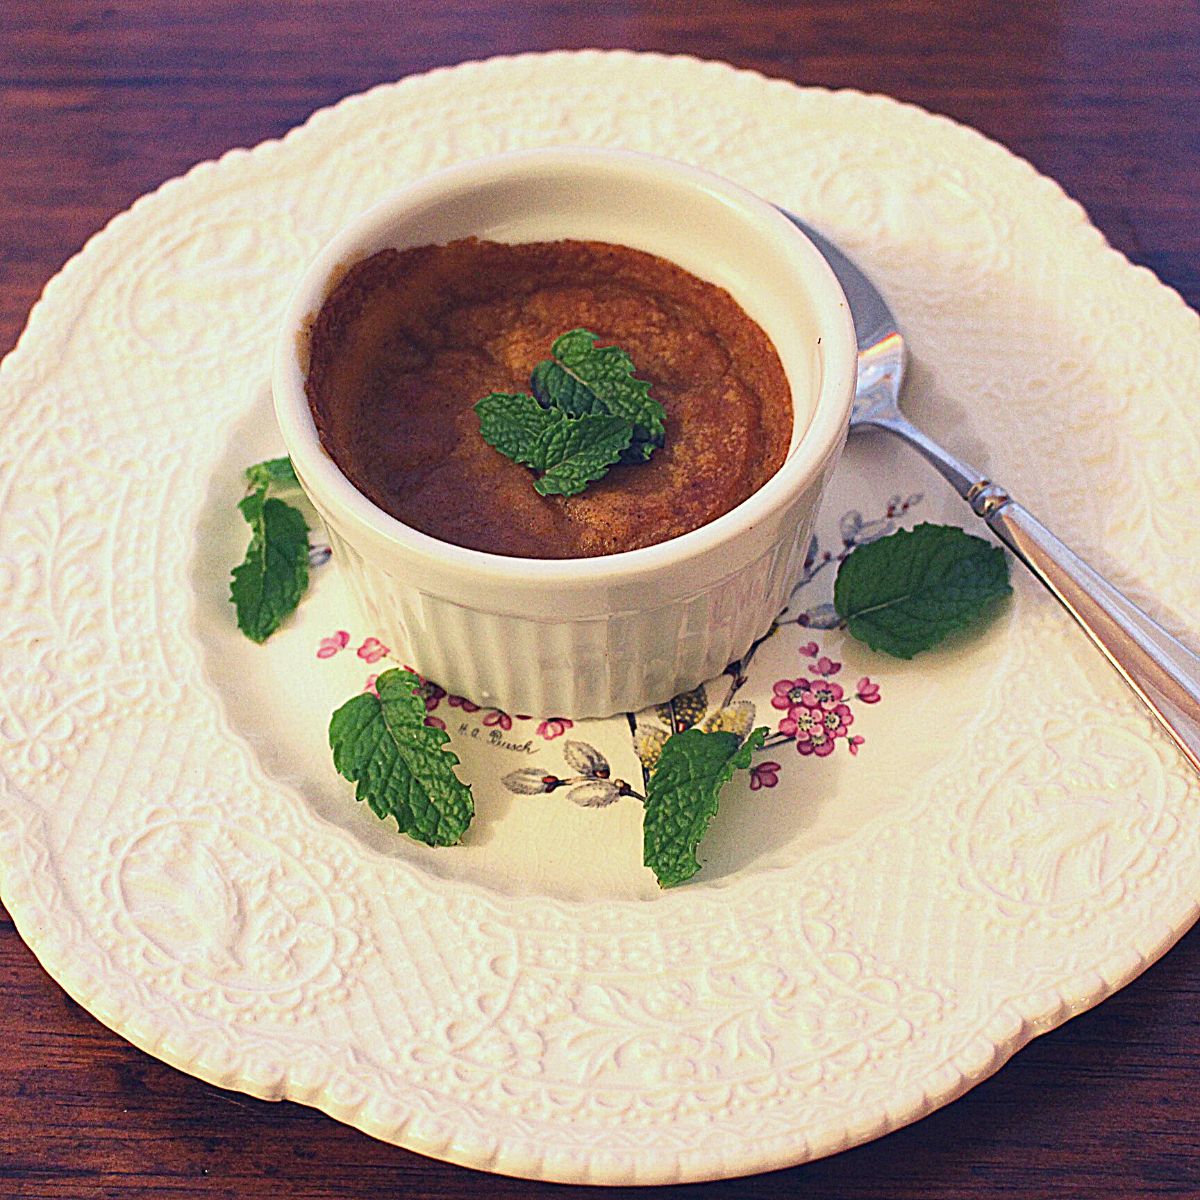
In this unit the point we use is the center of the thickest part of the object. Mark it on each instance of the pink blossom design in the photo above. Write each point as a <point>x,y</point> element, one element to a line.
<point>369,686</point>
<point>836,720</point>
<point>329,646</point>
<point>435,722</point>
<point>789,692</point>
<point>802,724</point>
<point>497,718</point>
<point>372,650</point>
<point>463,703</point>
<point>818,711</point>
<point>553,727</point>
<point>819,743</point>
<point>822,693</point>
<point>765,774</point>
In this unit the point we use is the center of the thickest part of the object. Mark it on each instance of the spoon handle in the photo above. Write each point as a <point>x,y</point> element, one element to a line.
<point>1159,668</point>
<point>1163,672</point>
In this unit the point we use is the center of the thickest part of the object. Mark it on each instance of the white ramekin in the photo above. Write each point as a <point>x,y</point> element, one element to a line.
<point>592,636</point>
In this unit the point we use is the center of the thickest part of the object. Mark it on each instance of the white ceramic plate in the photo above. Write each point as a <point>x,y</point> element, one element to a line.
<point>873,932</point>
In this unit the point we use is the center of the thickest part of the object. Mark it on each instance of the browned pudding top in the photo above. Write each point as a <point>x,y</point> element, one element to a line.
<point>409,340</point>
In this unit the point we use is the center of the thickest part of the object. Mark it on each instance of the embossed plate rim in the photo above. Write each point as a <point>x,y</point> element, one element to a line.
<point>1009,1027</point>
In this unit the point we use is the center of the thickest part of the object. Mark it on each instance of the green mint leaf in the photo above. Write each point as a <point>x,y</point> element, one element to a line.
<point>268,584</point>
<point>381,743</point>
<point>582,378</point>
<point>682,797</point>
<point>906,592</point>
<point>514,423</point>
<point>278,471</point>
<point>556,388</point>
<point>576,452</point>
<point>572,451</point>
<point>587,413</point>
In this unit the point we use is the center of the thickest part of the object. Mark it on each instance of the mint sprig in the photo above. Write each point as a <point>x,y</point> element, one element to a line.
<point>682,797</point>
<point>586,413</point>
<point>271,580</point>
<point>571,452</point>
<point>514,423</point>
<point>381,743</point>
<point>578,452</point>
<point>278,471</point>
<point>582,377</point>
<point>907,592</point>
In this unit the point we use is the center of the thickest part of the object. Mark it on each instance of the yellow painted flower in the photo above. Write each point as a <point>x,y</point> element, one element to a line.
<point>648,743</point>
<point>688,707</point>
<point>737,717</point>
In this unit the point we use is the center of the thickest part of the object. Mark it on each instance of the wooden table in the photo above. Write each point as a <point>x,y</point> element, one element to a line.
<point>102,102</point>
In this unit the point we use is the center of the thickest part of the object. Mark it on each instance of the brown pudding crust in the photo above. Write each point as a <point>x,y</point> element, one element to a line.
<point>409,340</point>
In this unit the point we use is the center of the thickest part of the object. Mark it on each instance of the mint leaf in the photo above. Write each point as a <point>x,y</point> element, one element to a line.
<point>576,452</point>
<point>278,471</point>
<point>268,584</point>
<point>556,388</point>
<point>514,423</point>
<point>682,797</point>
<point>587,413</point>
<point>381,742</point>
<point>906,592</point>
<point>583,378</point>
<point>572,451</point>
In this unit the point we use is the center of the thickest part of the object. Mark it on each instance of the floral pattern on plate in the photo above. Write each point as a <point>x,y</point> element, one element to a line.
<point>812,712</point>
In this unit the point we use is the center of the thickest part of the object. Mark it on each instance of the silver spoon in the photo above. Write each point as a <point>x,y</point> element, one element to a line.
<point>1161,670</point>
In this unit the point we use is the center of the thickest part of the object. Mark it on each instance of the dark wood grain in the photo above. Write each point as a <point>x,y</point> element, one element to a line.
<point>99,103</point>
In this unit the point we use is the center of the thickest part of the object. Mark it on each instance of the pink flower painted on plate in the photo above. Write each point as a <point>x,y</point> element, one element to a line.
<point>803,724</point>
<point>819,712</point>
<point>435,722</point>
<point>819,742</point>
<point>334,644</point>
<point>553,727</point>
<point>497,719</point>
<point>836,720</point>
<point>822,693</point>
<point>789,692</point>
<point>372,650</point>
<point>369,686</point>
<point>764,775</point>
<point>463,703</point>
